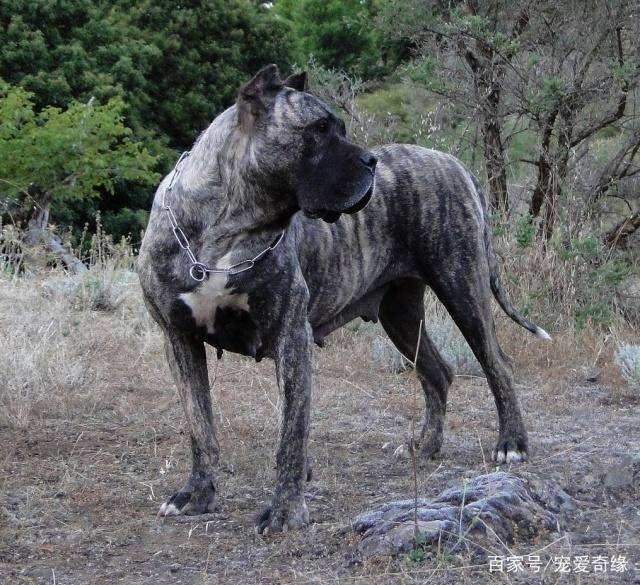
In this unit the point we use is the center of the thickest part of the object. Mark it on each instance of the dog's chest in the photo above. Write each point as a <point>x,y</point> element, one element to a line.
<point>222,316</point>
<point>211,295</point>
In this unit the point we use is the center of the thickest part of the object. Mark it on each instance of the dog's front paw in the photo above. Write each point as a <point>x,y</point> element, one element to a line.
<point>196,497</point>
<point>511,449</point>
<point>291,515</point>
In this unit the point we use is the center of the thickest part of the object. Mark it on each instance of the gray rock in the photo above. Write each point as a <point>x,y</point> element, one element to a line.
<point>622,474</point>
<point>485,513</point>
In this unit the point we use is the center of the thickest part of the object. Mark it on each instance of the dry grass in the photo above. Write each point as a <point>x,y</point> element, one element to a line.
<point>91,442</point>
<point>566,286</point>
<point>58,361</point>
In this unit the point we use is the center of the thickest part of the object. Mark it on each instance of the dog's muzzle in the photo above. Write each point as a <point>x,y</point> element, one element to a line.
<point>331,216</point>
<point>365,200</point>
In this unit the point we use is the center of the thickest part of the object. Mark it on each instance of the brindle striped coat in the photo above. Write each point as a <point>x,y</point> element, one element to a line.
<point>279,151</point>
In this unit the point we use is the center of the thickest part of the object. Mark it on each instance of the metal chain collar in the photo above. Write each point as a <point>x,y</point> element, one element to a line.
<point>198,270</point>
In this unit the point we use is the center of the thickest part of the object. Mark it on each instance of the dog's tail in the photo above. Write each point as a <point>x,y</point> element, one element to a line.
<point>499,293</point>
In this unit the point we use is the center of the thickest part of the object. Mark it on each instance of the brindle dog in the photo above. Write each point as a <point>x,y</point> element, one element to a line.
<point>278,151</point>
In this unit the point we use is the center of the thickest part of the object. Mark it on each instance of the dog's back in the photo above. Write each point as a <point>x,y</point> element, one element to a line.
<point>425,202</point>
<point>428,215</point>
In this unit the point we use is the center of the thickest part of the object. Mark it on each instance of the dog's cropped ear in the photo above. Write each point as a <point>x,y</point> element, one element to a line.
<point>256,97</point>
<point>298,81</point>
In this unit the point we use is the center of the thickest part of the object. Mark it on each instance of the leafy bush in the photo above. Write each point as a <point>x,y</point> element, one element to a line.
<point>11,256</point>
<point>167,68</point>
<point>451,343</point>
<point>126,221</point>
<point>445,336</point>
<point>174,64</point>
<point>525,231</point>
<point>568,283</point>
<point>54,155</point>
<point>336,33</point>
<point>107,283</point>
<point>385,355</point>
<point>102,288</point>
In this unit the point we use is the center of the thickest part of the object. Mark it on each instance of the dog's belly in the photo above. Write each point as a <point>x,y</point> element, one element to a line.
<point>366,307</point>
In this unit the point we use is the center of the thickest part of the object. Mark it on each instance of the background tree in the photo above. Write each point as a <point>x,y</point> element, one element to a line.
<point>338,35</point>
<point>175,66</point>
<point>574,80</point>
<point>55,155</point>
<point>207,50</point>
<point>462,53</point>
<point>566,72</point>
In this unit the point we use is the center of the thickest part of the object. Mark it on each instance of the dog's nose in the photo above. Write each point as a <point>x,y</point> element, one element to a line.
<point>368,160</point>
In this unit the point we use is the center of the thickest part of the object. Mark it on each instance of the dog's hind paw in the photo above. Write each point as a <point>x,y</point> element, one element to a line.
<point>197,497</point>
<point>510,451</point>
<point>282,518</point>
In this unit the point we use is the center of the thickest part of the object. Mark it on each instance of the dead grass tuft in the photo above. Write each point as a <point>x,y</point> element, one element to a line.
<point>57,350</point>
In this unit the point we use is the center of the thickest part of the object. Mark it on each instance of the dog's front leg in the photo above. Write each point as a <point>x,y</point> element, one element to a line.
<point>188,363</point>
<point>288,509</point>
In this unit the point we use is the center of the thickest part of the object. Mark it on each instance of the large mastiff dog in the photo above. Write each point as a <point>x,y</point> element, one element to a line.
<point>228,260</point>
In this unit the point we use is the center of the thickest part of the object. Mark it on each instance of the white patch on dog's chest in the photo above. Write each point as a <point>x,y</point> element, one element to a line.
<point>212,294</point>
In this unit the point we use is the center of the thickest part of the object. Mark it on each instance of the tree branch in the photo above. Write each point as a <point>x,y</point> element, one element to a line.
<point>622,231</point>
<point>617,167</point>
<point>616,114</point>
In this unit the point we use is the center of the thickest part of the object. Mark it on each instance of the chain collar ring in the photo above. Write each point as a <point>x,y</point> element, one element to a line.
<point>198,270</point>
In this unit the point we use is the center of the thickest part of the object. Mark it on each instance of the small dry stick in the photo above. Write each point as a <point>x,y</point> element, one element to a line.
<point>413,441</point>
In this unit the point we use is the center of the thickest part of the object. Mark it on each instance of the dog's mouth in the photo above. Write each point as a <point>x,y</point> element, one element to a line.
<point>331,216</point>
<point>364,201</point>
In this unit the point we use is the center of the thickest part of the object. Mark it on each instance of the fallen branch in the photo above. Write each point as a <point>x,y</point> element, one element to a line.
<point>622,231</point>
<point>36,235</point>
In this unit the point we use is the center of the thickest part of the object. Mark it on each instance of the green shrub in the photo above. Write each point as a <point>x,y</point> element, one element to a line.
<point>525,231</point>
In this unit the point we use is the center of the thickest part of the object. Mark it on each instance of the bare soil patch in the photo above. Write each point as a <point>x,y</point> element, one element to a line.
<point>80,488</point>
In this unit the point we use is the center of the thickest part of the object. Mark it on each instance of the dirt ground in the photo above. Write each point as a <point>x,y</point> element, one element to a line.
<point>79,491</point>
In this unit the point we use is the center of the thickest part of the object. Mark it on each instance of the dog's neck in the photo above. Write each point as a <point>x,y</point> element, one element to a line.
<point>218,185</point>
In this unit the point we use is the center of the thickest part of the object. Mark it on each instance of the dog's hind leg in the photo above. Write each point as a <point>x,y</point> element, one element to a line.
<point>401,312</point>
<point>188,363</point>
<point>465,291</point>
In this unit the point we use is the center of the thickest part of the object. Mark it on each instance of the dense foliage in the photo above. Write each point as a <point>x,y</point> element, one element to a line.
<point>338,34</point>
<point>54,155</point>
<point>172,68</point>
<point>174,65</point>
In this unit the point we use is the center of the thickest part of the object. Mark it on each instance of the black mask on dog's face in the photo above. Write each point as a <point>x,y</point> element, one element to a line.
<point>302,147</point>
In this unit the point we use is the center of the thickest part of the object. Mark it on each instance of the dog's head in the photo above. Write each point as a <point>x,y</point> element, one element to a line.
<point>300,148</point>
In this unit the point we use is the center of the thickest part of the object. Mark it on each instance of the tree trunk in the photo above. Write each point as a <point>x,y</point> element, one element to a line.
<point>40,217</point>
<point>558,178</point>
<point>496,167</point>
<point>552,170</point>
<point>54,244</point>
<point>543,182</point>
<point>487,79</point>
<point>37,233</point>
